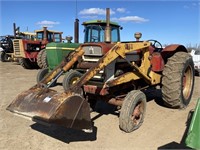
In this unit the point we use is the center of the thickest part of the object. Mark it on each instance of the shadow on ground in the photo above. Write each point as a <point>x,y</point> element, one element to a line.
<point>71,135</point>
<point>181,145</point>
<point>64,134</point>
<point>154,94</point>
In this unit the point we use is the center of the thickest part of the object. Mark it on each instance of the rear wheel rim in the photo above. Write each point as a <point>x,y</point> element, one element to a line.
<point>187,81</point>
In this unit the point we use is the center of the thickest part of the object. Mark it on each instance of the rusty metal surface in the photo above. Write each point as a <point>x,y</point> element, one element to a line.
<point>105,46</point>
<point>45,105</point>
<point>76,31</point>
<point>171,47</point>
<point>157,62</point>
<point>116,102</point>
<point>124,78</point>
<point>29,102</point>
<point>108,28</point>
<point>169,51</point>
<point>85,65</point>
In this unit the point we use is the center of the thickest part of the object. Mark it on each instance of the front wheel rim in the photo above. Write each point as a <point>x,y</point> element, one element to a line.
<point>74,80</point>
<point>137,114</point>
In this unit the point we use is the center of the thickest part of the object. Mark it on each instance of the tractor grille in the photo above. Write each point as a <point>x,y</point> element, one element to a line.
<point>16,46</point>
<point>92,50</point>
<point>92,53</point>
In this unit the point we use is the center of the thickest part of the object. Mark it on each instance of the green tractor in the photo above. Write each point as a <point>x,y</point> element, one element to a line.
<point>94,32</point>
<point>193,135</point>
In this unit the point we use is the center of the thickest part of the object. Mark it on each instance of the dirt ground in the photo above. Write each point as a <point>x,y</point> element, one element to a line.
<point>163,128</point>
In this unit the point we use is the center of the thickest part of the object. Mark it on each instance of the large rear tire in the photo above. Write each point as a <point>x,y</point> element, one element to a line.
<point>42,59</point>
<point>39,56</point>
<point>178,80</point>
<point>70,78</point>
<point>133,111</point>
<point>25,63</point>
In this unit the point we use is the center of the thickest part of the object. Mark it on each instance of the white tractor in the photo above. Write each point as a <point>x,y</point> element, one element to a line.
<point>196,58</point>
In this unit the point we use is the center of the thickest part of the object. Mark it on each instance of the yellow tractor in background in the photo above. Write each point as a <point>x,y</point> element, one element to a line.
<point>6,43</point>
<point>28,50</point>
<point>117,77</point>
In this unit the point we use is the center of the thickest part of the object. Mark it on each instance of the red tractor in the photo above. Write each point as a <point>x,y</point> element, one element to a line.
<point>26,50</point>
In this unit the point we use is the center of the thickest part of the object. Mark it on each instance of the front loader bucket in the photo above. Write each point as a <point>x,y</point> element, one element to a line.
<point>47,106</point>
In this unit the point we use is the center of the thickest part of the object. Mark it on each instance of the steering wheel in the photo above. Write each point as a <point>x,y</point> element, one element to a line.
<point>94,38</point>
<point>156,44</point>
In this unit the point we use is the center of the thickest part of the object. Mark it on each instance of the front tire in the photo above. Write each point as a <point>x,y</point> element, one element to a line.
<point>4,57</point>
<point>178,80</point>
<point>70,78</point>
<point>41,74</point>
<point>133,111</point>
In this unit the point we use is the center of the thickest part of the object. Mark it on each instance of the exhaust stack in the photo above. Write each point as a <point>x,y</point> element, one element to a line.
<point>108,29</point>
<point>14,29</point>
<point>76,31</point>
<point>45,33</point>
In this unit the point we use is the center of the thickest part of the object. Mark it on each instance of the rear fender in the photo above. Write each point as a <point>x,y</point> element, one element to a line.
<point>170,50</point>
